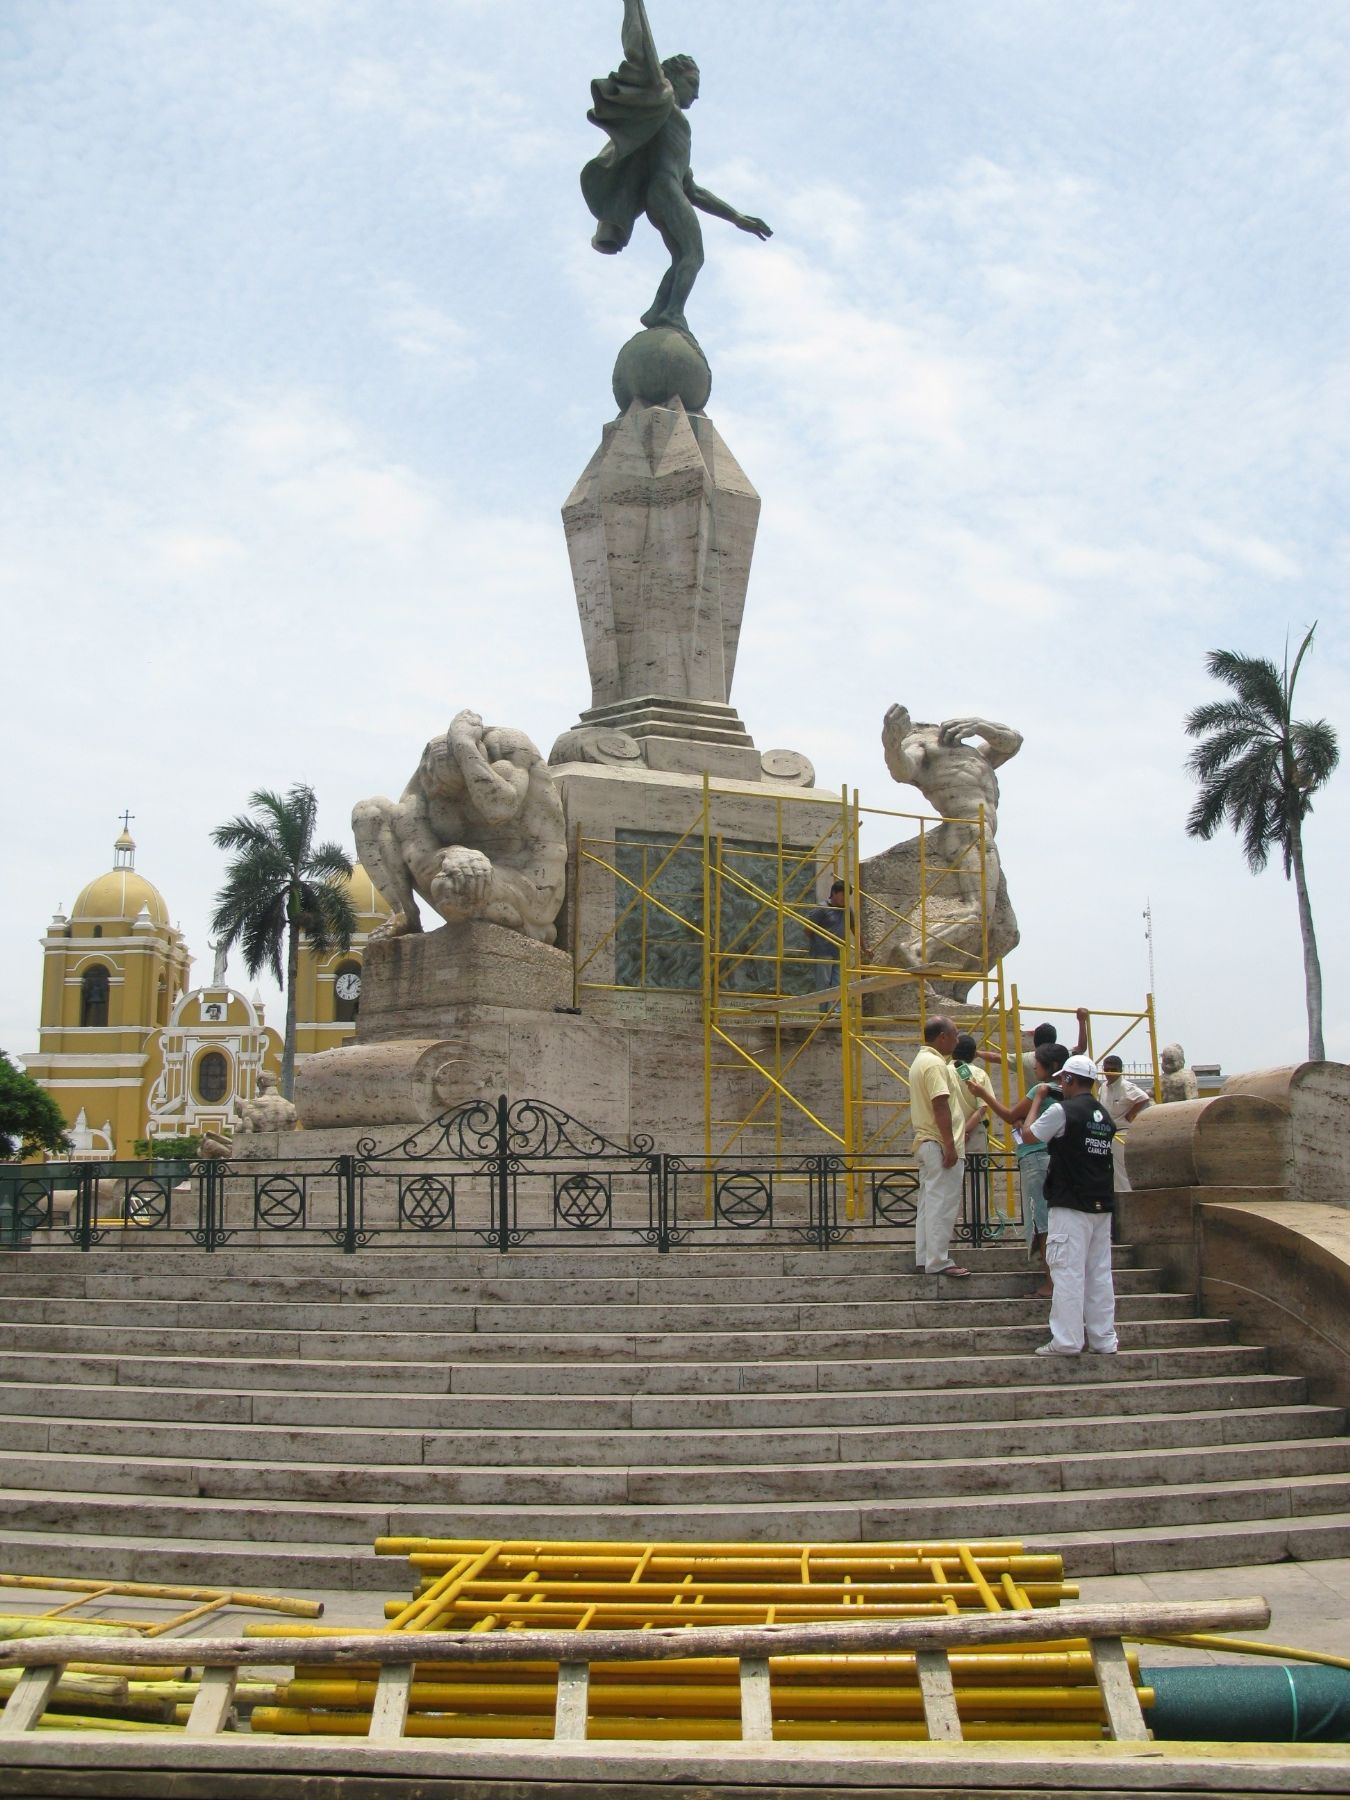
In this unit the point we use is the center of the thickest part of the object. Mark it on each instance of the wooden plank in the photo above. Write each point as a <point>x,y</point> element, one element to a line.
<point>484,1770</point>
<point>756,1701</point>
<point>574,1689</point>
<point>546,1770</point>
<point>28,1702</point>
<point>668,1643</point>
<point>215,1697</point>
<point>1124,1715</point>
<point>389,1712</point>
<point>939,1697</point>
<point>812,1002</point>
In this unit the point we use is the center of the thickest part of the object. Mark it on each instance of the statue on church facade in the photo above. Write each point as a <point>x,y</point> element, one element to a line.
<point>478,833</point>
<point>644,168</point>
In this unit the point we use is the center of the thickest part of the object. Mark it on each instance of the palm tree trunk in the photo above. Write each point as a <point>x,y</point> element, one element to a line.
<point>1312,967</point>
<point>292,976</point>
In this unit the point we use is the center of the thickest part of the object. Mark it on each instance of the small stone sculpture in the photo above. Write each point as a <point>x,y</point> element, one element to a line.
<point>479,833</point>
<point>1178,1081</point>
<point>269,1111</point>
<point>595,745</point>
<point>788,768</point>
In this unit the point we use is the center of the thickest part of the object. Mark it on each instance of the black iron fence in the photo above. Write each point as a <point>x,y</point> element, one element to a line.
<point>498,1175</point>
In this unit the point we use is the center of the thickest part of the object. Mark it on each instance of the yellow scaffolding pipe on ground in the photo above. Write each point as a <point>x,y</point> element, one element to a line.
<point>1047,1690</point>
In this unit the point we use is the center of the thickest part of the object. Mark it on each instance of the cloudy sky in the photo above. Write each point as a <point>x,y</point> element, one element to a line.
<point>1044,380</point>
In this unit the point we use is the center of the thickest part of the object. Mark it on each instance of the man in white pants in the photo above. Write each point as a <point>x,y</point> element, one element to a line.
<point>1080,1193</point>
<point>939,1147</point>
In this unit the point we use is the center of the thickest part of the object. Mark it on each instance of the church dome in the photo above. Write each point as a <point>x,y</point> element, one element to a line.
<point>365,897</point>
<point>121,893</point>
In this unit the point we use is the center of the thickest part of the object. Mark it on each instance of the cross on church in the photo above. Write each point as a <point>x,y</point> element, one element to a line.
<point>127,817</point>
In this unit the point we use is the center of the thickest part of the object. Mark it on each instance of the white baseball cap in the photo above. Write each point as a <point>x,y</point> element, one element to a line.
<point>1083,1067</point>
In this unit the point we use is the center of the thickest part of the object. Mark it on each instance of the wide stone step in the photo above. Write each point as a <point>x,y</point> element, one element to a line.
<point>1057,1398</point>
<point>411,1380</point>
<point>544,1289</point>
<point>1169,1456</point>
<point>1139,1328</point>
<point>1008,1368</point>
<point>1302,1536</point>
<point>543,1318</point>
<point>354,1447</point>
<point>127,1512</point>
<point>259,1568</point>
<point>136,1257</point>
<point>1158,1488</point>
<point>1113,1548</point>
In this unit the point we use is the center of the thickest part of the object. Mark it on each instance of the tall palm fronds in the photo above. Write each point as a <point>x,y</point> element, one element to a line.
<point>278,885</point>
<point>1258,767</point>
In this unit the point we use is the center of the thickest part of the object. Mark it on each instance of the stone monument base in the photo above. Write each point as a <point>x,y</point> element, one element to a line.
<point>412,985</point>
<point>438,1010</point>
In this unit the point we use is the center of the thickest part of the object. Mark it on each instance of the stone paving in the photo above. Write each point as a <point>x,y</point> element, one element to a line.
<point>1309,1603</point>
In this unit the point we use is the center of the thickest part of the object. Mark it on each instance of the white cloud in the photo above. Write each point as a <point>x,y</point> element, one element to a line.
<point>422,330</point>
<point>184,553</point>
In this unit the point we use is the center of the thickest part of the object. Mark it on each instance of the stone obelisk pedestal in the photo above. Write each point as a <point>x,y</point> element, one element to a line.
<point>660,532</point>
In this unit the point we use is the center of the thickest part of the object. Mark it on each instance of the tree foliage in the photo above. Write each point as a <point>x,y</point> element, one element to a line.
<point>30,1120</point>
<point>280,886</point>
<point>1258,768</point>
<point>1257,765</point>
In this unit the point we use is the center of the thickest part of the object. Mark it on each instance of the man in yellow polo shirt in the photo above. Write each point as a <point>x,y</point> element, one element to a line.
<point>938,1119</point>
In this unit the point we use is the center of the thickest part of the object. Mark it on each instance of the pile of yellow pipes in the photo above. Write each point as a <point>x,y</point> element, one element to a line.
<point>126,1696</point>
<point>113,1696</point>
<point>468,1584</point>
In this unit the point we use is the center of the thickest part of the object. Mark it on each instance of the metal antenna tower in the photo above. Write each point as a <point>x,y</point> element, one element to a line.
<point>1148,937</point>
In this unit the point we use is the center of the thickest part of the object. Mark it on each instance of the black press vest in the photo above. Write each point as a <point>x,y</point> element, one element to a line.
<point>1081,1173</point>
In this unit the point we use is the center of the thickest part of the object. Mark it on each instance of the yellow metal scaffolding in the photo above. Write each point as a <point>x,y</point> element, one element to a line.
<point>1104,1023</point>
<point>706,913</point>
<point>807,1033</point>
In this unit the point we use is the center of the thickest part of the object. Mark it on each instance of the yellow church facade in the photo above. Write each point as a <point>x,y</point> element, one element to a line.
<point>129,1049</point>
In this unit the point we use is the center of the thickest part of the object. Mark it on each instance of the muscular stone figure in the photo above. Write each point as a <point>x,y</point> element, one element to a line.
<point>922,900</point>
<point>478,833</point>
<point>645,165</point>
<point>956,778</point>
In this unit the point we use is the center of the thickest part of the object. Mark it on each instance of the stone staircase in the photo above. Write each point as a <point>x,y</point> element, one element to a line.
<point>256,1417</point>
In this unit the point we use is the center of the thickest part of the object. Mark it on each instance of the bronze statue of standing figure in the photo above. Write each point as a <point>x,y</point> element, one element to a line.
<point>644,168</point>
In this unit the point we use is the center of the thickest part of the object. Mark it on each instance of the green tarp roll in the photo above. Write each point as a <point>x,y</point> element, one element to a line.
<point>1291,1703</point>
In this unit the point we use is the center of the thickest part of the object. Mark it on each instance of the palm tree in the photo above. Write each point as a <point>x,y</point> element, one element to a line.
<point>279,885</point>
<point>1259,767</point>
